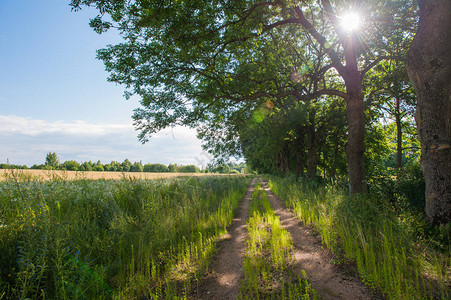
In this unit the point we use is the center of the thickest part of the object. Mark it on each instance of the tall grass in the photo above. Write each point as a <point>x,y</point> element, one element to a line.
<point>268,257</point>
<point>102,239</point>
<point>366,231</point>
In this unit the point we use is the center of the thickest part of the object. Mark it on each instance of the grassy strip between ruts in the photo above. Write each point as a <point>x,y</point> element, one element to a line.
<point>366,232</point>
<point>268,256</point>
<point>116,239</point>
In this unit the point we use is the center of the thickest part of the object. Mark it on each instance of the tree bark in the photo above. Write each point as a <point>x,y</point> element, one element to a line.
<point>429,68</point>
<point>355,148</point>
<point>356,119</point>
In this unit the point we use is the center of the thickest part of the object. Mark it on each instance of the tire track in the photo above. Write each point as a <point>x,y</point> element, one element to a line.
<point>326,279</point>
<point>227,265</point>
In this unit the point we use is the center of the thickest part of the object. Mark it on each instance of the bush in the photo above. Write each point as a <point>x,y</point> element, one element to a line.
<point>407,188</point>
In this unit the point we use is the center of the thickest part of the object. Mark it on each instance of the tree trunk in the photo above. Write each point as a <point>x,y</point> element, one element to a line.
<point>299,164</point>
<point>334,164</point>
<point>355,148</point>
<point>283,162</point>
<point>429,68</point>
<point>356,118</point>
<point>312,145</point>
<point>398,136</point>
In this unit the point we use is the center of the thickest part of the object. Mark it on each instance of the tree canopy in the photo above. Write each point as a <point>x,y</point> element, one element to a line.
<point>264,79</point>
<point>216,63</point>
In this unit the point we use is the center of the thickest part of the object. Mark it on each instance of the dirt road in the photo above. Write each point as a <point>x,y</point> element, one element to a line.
<point>227,268</point>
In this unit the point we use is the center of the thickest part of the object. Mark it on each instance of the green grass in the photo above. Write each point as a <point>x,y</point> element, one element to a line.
<point>119,239</point>
<point>268,257</point>
<point>367,232</point>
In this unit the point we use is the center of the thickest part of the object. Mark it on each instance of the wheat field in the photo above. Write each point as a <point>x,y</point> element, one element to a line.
<point>75,175</point>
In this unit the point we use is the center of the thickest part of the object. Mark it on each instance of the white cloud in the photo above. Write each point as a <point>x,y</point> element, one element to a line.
<point>27,141</point>
<point>12,124</point>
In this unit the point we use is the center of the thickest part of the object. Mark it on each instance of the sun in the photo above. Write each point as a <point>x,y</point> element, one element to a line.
<point>350,22</point>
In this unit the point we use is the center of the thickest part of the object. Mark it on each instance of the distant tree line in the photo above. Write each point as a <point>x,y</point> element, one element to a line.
<point>52,162</point>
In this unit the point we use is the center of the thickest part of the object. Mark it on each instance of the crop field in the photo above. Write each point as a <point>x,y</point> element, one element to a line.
<point>76,175</point>
<point>103,239</point>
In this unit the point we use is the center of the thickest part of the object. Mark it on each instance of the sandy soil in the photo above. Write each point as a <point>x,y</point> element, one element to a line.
<point>328,280</point>
<point>73,175</point>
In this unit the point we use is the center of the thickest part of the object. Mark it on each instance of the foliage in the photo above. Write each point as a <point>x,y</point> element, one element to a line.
<point>173,168</point>
<point>51,161</point>
<point>157,168</point>
<point>128,166</point>
<point>137,167</point>
<point>230,168</point>
<point>189,169</point>
<point>217,65</point>
<point>9,166</point>
<point>70,165</point>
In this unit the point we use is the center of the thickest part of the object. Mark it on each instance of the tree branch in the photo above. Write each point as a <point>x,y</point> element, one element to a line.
<point>324,69</point>
<point>331,15</point>
<point>336,62</point>
<point>278,23</point>
<point>331,93</point>
<point>373,64</point>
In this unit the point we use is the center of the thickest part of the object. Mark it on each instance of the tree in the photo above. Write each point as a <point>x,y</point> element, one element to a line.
<point>273,145</point>
<point>70,165</point>
<point>189,169</point>
<point>52,161</point>
<point>113,166</point>
<point>86,166</point>
<point>183,57</point>
<point>391,92</point>
<point>137,167</point>
<point>98,167</point>
<point>156,168</point>
<point>429,67</point>
<point>126,165</point>
<point>173,168</point>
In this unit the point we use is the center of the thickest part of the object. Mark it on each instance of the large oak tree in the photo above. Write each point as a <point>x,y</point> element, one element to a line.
<point>429,66</point>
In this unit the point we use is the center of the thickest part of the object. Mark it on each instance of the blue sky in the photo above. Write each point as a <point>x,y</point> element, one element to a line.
<point>54,96</point>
